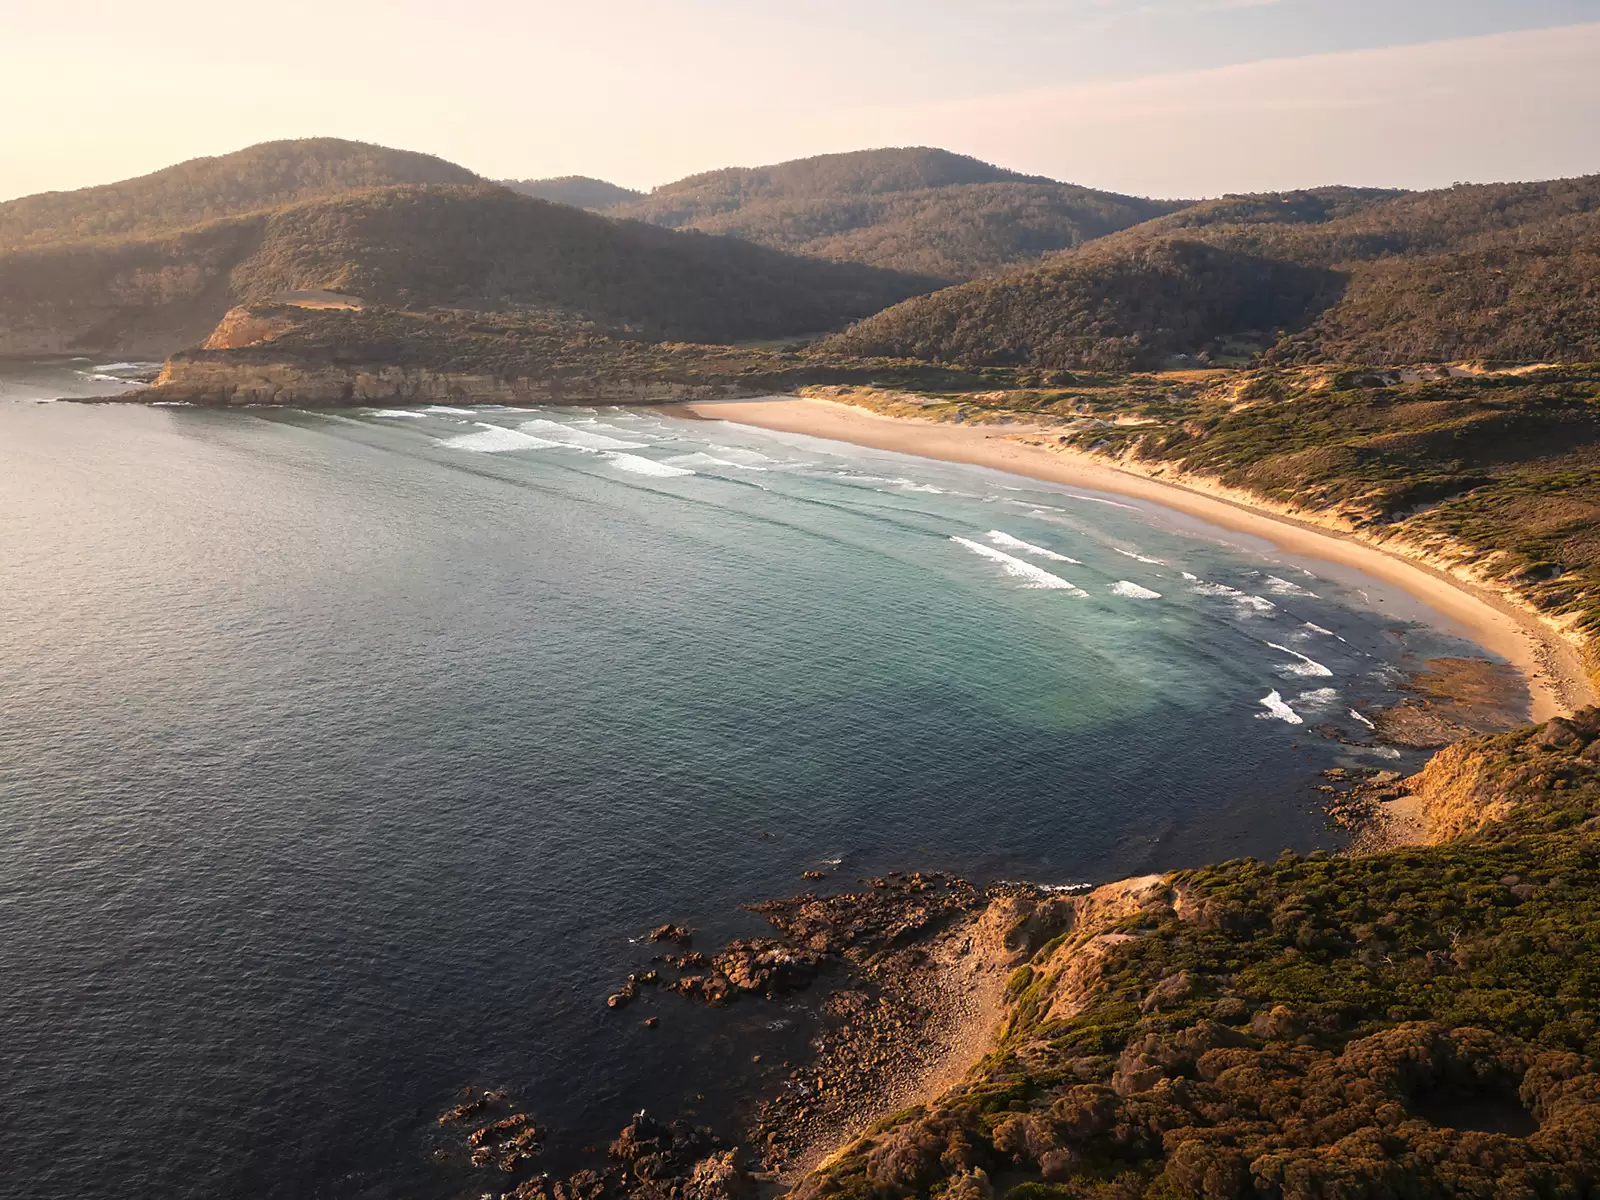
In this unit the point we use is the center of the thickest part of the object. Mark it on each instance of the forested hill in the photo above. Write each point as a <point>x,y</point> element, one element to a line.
<point>266,176</point>
<point>1504,271</point>
<point>580,191</point>
<point>473,246</point>
<point>922,211</point>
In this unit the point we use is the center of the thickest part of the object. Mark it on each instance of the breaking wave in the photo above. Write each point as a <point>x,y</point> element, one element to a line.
<point>699,459</point>
<point>1320,697</point>
<point>646,466</point>
<point>1306,666</point>
<point>1013,543</point>
<point>1283,587</point>
<point>1133,591</point>
<point>395,412</point>
<point>1154,562</point>
<point>583,439</point>
<point>1277,710</point>
<point>454,412</point>
<point>1032,576</point>
<point>1244,600</point>
<point>496,439</point>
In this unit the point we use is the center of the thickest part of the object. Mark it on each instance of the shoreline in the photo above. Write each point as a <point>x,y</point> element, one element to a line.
<point>1549,663</point>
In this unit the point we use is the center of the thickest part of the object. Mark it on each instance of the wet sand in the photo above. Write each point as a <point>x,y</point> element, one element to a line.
<point>1557,681</point>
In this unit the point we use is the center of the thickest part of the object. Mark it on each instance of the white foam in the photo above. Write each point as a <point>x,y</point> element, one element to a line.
<point>1133,591</point>
<point>583,439</point>
<point>646,466</point>
<point>454,412</point>
<point>1282,587</point>
<point>1154,562</point>
<point>1013,543</point>
<point>495,439</point>
<point>1032,576</point>
<point>396,412</point>
<point>1367,721</point>
<point>124,366</point>
<point>1277,710</point>
<point>1244,600</point>
<point>709,460</point>
<point>1320,697</point>
<point>1098,500</point>
<point>1319,629</point>
<point>1306,666</point>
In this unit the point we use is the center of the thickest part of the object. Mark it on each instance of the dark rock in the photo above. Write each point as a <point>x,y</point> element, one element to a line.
<point>681,934</point>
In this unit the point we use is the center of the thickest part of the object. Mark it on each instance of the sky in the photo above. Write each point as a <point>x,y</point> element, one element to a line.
<point>1177,98</point>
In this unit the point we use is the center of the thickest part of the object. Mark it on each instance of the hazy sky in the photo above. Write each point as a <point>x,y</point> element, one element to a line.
<point>1168,97</point>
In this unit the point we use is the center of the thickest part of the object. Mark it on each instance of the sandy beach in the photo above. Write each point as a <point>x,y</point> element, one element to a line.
<point>1556,678</point>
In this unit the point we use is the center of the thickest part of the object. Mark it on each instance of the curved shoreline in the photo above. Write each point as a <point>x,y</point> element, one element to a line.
<point>1550,663</point>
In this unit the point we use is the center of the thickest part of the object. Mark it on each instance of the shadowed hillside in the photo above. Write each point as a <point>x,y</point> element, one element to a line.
<point>204,189</point>
<point>919,210</point>
<point>580,191</point>
<point>1502,271</point>
<point>476,246</point>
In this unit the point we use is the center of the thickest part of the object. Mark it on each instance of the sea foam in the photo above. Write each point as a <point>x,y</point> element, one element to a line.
<point>1015,543</point>
<point>454,412</point>
<point>1277,710</point>
<point>395,412</point>
<point>1306,666</point>
<point>1032,576</point>
<point>1282,587</point>
<point>583,439</point>
<point>645,466</point>
<point>495,439</point>
<point>1244,600</point>
<point>1154,562</point>
<point>1133,591</point>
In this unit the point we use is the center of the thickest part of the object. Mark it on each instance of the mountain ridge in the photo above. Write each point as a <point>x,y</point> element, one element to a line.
<point>1499,271</point>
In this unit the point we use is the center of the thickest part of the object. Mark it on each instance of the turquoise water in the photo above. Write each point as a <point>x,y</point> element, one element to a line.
<point>345,752</point>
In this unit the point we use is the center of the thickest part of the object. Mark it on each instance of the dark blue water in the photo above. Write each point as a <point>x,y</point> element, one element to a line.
<point>342,754</point>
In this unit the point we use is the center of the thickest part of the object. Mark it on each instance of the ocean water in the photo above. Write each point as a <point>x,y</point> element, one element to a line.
<point>346,754</point>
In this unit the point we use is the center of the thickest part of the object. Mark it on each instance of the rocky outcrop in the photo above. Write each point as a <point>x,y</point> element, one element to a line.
<point>223,382</point>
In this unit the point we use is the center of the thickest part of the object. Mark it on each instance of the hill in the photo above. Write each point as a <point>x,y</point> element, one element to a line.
<point>266,176</point>
<point>917,210</point>
<point>1413,1023</point>
<point>1500,271</point>
<point>579,191</point>
<point>473,246</point>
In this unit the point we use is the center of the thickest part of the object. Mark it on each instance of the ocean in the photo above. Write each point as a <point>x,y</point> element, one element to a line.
<point>347,755</point>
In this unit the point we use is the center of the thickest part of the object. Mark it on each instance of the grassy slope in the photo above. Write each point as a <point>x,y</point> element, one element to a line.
<point>1504,271</point>
<point>1287,1029</point>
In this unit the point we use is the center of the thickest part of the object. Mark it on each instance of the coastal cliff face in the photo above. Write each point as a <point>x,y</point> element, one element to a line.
<point>199,380</point>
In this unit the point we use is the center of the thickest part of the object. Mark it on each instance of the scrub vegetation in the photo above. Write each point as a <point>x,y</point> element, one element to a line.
<point>1417,1023</point>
